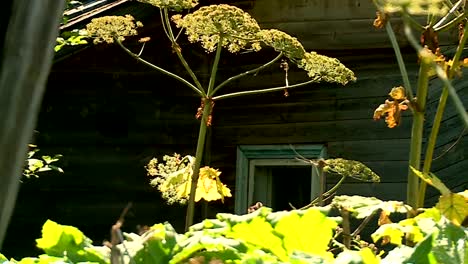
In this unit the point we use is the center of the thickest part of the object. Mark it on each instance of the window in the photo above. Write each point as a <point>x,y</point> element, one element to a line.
<point>271,174</point>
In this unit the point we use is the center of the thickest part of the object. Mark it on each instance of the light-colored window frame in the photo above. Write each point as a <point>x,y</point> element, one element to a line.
<point>250,156</point>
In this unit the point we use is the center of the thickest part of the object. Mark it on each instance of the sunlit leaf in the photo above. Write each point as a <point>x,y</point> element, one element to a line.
<point>453,206</point>
<point>431,179</point>
<point>297,231</point>
<point>364,256</point>
<point>390,233</point>
<point>260,233</point>
<point>450,245</point>
<point>361,207</point>
<point>61,240</point>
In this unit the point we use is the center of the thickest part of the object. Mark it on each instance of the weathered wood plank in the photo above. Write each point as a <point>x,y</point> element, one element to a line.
<point>308,132</point>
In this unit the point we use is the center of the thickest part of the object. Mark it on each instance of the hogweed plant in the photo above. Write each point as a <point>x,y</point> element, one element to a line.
<point>217,28</point>
<point>441,16</point>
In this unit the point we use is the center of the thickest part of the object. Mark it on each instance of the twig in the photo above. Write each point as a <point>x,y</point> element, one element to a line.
<point>117,238</point>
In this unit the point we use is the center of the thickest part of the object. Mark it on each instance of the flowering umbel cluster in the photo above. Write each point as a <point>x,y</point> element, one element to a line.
<point>323,68</point>
<point>108,28</point>
<point>177,5</point>
<point>173,179</point>
<point>413,7</point>
<point>206,25</point>
<point>283,42</point>
<point>350,168</point>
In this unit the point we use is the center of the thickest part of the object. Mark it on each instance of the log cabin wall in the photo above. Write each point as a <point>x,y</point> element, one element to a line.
<point>109,115</point>
<point>450,161</point>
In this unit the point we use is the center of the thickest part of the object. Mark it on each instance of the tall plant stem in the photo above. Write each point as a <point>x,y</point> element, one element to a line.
<point>207,108</point>
<point>438,118</point>
<point>417,134</point>
<point>401,63</point>
<point>196,167</point>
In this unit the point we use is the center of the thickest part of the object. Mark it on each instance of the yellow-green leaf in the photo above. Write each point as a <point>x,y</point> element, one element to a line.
<point>390,233</point>
<point>431,179</point>
<point>298,232</point>
<point>453,206</point>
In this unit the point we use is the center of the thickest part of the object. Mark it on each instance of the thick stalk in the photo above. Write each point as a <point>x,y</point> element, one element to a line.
<point>346,228</point>
<point>417,134</point>
<point>196,166</point>
<point>438,118</point>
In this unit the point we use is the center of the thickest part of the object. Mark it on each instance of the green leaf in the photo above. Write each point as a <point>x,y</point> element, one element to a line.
<point>454,206</point>
<point>2,257</point>
<point>61,240</point>
<point>365,256</point>
<point>361,207</point>
<point>431,179</point>
<point>390,233</point>
<point>297,232</point>
<point>398,255</point>
<point>423,252</point>
<point>259,233</point>
<point>450,244</point>
<point>158,244</point>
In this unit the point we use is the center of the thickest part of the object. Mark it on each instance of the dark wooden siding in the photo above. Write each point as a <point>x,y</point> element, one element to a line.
<point>109,115</point>
<point>451,152</point>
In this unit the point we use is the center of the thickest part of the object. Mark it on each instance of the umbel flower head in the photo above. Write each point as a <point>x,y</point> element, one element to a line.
<point>206,25</point>
<point>177,5</point>
<point>109,28</point>
<point>414,7</point>
<point>283,42</point>
<point>323,68</point>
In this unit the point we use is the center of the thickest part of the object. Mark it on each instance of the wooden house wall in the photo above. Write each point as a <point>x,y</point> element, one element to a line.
<point>109,115</point>
<point>450,161</point>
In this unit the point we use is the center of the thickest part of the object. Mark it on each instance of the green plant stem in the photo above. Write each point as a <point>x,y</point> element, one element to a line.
<point>438,118</point>
<point>246,73</point>
<point>417,134</point>
<point>177,50</point>
<point>322,184</point>
<point>196,166</point>
<point>418,120</point>
<point>327,193</point>
<point>164,24</point>
<point>214,69</point>
<point>267,90</point>
<point>346,228</point>
<point>401,63</point>
<point>173,75</point>
<point>453,11</point>
<point>452,22</point>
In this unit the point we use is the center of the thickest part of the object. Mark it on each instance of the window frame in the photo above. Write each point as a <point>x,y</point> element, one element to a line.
<point>249,156</point>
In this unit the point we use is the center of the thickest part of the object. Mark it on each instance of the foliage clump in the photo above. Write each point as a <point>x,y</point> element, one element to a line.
<point>414,7</point>
<point>177,5</point>
<point>173,180</point>
<point>108,28</point>
<point>209,24</point>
